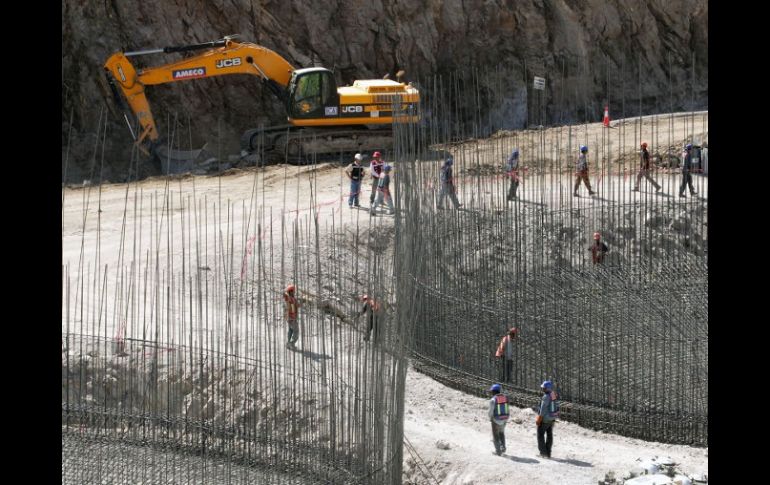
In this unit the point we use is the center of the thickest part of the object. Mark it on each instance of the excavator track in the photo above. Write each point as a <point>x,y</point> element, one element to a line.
<point>302,145</point>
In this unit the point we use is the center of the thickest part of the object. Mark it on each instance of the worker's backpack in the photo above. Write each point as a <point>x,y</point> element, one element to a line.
<point>501,411</point>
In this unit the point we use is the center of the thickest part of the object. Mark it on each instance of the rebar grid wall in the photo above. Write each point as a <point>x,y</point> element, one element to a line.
<point>626,340</point>
<point>173,361</point>
<point>174,366</point>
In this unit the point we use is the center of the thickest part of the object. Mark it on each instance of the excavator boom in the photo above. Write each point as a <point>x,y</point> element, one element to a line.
<point>226,57</point>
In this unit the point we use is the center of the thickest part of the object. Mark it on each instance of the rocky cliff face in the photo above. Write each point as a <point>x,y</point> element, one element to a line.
<point>585,49</point>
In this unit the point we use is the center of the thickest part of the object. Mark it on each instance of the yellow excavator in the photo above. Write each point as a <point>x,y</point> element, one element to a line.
<point>322,118</point>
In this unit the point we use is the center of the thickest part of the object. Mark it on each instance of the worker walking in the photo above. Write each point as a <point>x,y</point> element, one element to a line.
<point>546,417</point>
<point>686,168</point>
<point>644,170</point>
<point>512,171</point>
<point>291,316</point>
<point>383,191</point>
<point>375,169</point>
<point>598,248</point>
<point>447,184</point>
<point>355,173</point>
<point>372,309</point>
<point>505,351</point>
<point>581,170</point>
<point>498,415</point>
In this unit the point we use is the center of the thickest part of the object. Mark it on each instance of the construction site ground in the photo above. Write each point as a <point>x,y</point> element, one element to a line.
<point>94,218</point>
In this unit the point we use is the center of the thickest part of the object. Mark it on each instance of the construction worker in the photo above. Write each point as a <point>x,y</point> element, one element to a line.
<point>498,415</point>
<point>686,167</point>
<point>581,170</point>
<point>291,316</point>
<point>644,170</point>
<point>375,169</point>
<point>383,191</point>
<point>355,173</point>
<point>372,307</point>
<point>447,184</point>
<point>512,171</point>
<point>598,248</point>
<point>505,351</point>
<point>546,417</point>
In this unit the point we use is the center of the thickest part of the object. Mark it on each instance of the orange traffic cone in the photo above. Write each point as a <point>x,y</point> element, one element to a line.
<point>607,116</point>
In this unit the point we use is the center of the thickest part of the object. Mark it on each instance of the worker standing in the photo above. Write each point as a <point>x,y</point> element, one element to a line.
<point>512,171</point>
<point>644,170</point>
<point>686,168</point>
<point>505,351</point>
<point>498,415</point>
<point>383,191</point>
<point>598,248</point>
<point>355,173</point>
<point>581,170</point>
<point>375,169</point>
<point>546,417</point>
<point>291,316</point>
<point>372,309</point>
<point>447,184</point>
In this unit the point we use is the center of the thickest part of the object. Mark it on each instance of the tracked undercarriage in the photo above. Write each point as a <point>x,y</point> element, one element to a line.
<point>296,145</point>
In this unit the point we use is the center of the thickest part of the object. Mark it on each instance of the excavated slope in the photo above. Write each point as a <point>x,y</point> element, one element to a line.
<point>361,39</point>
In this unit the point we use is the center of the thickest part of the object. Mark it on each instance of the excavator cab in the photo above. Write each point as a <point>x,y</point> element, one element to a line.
<point>312,94</point>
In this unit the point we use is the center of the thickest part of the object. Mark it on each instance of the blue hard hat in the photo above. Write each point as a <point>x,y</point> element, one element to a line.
<point>688,146</point>
<point>387,168</point>
<point>496,388</point>
<point>547,385</point>
<point>515,153</point>
<point>583,148</point>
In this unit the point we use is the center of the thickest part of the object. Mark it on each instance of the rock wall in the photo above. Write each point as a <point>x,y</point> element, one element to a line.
<point>573,43</point>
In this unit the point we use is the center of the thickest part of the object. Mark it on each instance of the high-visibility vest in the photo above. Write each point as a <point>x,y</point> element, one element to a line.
<point>374,304</point>
<point>501,348</point>
<point>501,407</point>
<point>291,305</point>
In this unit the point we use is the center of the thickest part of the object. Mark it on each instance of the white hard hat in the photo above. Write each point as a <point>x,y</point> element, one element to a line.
<point>359,157</point>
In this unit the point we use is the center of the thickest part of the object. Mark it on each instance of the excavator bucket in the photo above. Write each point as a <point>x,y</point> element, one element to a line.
<point>173,161</point>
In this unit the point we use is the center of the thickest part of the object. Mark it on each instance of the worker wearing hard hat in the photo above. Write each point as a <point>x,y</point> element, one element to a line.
<point>581,171</point>
<point>644,170</point>
<point>498,413</point>
<point>291,316</point>
<point>355,173</point>
<point>375,170</point>
<point>505,352</point>
<point>598,249</point>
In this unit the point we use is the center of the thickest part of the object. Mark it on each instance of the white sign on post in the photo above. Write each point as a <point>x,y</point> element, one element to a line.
<point>539,83</point>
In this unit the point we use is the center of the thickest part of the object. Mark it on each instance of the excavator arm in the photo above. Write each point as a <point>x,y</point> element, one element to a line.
<point>221,58</point>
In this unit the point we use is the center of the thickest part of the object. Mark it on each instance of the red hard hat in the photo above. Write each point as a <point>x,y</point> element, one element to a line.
<point>376,155</point>
<point>644,144</point>
<point>597,236</point>
<point>290,288</point>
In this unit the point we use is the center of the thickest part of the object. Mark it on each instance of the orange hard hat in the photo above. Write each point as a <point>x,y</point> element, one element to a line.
<point>597,236</point>
<point>290,289</point>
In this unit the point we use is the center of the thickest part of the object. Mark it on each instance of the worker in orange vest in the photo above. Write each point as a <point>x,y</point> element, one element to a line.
<point>372,307</point>
<point>505,349</point>
<point>291,316</point>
